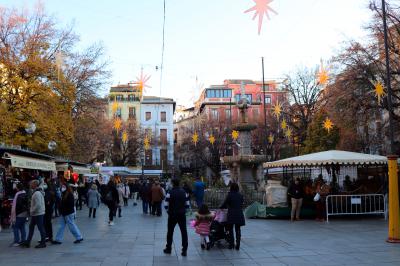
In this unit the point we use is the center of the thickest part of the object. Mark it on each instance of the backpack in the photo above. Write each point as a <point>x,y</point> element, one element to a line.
<point>109,196</point>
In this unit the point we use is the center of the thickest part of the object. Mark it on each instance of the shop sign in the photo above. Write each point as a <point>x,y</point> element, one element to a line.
<point>30,163</point>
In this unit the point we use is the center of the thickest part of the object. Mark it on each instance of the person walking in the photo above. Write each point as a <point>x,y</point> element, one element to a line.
<point>37,211</point>
<point>202,225</point>
<point>126,192</point>
<point>322,189</point>
<point>111,200</point>
<point>120,188</point>
<point>135,192</point>
<point>145,197</point>
<point>93,200</point>
<point>157,196</point>
<point>67,211</point>
<point>176,203</point>
<point>235,218</point>
<point>19,213</point>
<point>198,191</point>
<point>296,192</point>
<point>150,194</point>
<point>57,188</point>
<point>49,201</point>
<point>189,191</point>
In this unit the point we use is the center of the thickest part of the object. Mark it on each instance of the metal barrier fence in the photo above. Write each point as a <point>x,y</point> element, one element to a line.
<point>355,205</point>
<point>215,198</point>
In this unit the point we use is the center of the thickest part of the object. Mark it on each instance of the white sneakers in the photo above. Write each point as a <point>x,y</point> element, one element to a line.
<point>110,223</point>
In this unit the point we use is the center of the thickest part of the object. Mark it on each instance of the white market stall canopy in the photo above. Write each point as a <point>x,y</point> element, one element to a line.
<point>328,158</point>
<point>30,163</point>
<point>81,170</point>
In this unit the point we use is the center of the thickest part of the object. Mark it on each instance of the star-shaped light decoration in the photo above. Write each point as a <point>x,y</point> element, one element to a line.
<point>283,124</point>
<point>271,138</point>
<point>288,133</point>
<point>328,125</point>
<point>235,134</point>
<point>260,9</point>
<point>277,109</point>
<point>124,136</point>
<point>211,139</point>
<point>195,138</point>
<point>141,82</point>
<point>379,90</point>
<point>146,143</point>
<point>114,107</point>
<point>117,124</point>
<point>323,76</point>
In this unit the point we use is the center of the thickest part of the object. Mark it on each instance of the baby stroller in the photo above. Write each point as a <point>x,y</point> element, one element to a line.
<point>218,228</point>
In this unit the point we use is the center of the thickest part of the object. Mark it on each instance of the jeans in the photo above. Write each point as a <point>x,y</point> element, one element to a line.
<point>19,227</point>
<point>68,220</point>
<point>48,227</point>
<point>157,208</point>
<point>38,221</point>
<point>231,236</point>
<point>296,208</point>
<point>145,206</point>
<point>181,221</point>
<point>111,211</point>
<point>94,212</point>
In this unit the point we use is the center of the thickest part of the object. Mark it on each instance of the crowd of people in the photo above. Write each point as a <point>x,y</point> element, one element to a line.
<point>46,199</point>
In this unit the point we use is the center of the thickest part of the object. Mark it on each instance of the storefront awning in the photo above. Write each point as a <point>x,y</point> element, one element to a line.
<point>81,170</point>
<point>30,163</point>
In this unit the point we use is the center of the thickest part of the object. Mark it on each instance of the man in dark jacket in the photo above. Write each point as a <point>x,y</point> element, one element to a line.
<point>296,193</point>
<point>144,196</point>
<point>135,191</point>
<point>176,203</point>
<point>111,200</point>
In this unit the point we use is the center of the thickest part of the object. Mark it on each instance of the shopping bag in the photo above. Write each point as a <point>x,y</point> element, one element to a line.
<point>317,197</point>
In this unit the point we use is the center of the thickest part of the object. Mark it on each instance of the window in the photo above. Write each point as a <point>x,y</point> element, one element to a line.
<point>131,98</point>
<point>164,158</point>
<point>214,114</point>
<point>148,157</point>
<point>132,112</point>
<point>227,113</point>
<point>218,93</point>
<point>148,132</point>
<point>163,136</point>
<point>227,94</point>
<point>118,97</point>
<point>148,116</point>
<point>239,96</point>
<point>163,117</point>
<point>267,99</point>
<point>119,112</point>
<point>210,94</point>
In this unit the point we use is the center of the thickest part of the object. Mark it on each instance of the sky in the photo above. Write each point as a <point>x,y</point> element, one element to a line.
<point>207,41</point>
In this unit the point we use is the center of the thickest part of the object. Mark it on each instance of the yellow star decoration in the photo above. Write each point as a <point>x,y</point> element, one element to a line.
<point>114,107</point>
<point>211,139</point>
<point>195,138</point>
<point>323,76</point>
<point>124,136</point>
<point>379,90</point>
<point>146,143</point>
<point>235,134</point>
<point>270,138</point>
<point>328,125</point>
<point>117,124</point>
<point>283,124</point>
<point>288,133</point>
<point>277,110</point>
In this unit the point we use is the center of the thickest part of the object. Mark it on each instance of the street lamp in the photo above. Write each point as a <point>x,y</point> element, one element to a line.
<point>394,214</point>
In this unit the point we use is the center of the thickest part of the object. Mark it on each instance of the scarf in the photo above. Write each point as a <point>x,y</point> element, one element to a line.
<point>14,206</point>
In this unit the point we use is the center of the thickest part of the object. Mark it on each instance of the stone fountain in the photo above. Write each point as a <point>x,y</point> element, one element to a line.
<point>245,167</point>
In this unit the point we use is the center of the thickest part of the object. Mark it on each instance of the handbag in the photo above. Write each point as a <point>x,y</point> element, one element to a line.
<point>317,197</point>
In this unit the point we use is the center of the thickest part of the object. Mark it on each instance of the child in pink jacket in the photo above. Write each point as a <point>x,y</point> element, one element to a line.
<point>202,225</point>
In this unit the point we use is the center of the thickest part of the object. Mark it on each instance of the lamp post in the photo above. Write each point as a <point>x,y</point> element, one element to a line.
<point>394,214</point>
<point>265,109</point>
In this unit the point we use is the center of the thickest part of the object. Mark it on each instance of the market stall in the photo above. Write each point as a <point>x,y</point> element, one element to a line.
<point>18,165</point>
<point>72,171</point>
<point>347,173</point>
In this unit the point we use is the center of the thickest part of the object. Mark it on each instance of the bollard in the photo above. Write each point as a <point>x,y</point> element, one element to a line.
<point>394,215</point>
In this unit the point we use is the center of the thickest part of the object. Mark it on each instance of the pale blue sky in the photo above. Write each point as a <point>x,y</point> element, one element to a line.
<point>211,39</point>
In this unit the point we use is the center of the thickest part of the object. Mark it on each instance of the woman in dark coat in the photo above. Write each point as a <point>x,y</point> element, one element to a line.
<point>111,200</point>
<point>235,218</point>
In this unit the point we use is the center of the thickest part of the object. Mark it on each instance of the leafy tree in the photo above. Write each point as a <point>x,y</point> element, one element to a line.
<point>318,138</point>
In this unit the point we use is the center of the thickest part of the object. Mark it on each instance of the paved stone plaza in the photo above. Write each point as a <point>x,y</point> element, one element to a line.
<point>138,240</point>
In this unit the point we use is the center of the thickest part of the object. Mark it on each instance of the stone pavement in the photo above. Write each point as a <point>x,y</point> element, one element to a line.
<point>138,239</point>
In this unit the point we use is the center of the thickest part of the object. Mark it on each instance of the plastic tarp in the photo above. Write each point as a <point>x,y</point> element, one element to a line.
<point>256,210</point>
<point>276,194</point>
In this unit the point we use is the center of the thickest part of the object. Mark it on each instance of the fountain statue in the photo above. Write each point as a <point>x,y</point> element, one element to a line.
<point>245,167</point>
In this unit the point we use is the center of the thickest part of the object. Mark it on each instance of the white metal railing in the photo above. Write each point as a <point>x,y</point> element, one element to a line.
<point>356,205</point>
